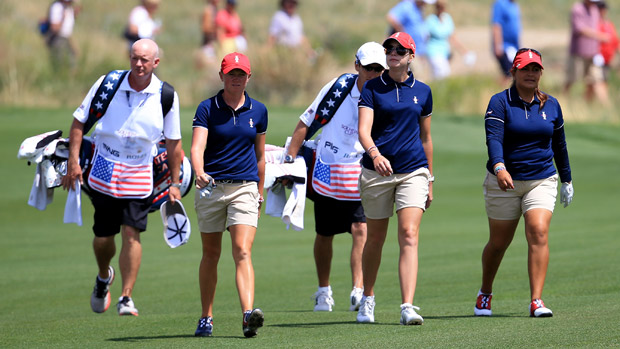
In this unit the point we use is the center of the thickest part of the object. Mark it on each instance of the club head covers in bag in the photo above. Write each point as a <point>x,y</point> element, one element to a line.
<point>177,228</point>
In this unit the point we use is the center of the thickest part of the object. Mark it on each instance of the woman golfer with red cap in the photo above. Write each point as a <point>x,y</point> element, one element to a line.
<point>395,130</point>
<point>524,135</point>
<point>228,147</point>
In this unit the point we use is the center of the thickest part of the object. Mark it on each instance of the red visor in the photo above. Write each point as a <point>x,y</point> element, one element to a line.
<point>522,59</point>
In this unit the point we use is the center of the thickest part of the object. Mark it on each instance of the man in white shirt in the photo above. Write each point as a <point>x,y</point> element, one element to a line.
<point>121,175</point>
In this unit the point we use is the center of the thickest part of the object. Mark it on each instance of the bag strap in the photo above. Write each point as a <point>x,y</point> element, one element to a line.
<point>103,97</point>
<point>330,103</point>
<point>107,90</point>
<point>167,97</point>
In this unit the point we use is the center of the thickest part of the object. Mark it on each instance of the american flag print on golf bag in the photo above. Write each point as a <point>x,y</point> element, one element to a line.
<point>338,181</point>
<point>120,180</point>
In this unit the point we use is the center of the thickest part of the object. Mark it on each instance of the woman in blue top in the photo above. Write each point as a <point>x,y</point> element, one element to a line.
<point>525,134</point>
<point>395,131</point>
<point>228,146</point>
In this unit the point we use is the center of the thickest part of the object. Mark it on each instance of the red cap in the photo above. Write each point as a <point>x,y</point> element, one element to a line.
<point>522,59</point>
<point>403,39</point>
<point>236,60</point>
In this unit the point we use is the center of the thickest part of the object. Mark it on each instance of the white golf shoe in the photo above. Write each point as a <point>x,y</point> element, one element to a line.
<point>323,301</point>
<point>356,298</point>
<point>408,316</point>
<point>366,313</point>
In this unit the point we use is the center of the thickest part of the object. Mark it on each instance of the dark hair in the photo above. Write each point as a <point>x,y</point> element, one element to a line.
<point>282,2</point>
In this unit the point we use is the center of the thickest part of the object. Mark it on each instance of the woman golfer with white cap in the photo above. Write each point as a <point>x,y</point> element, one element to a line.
<point>524,135</point>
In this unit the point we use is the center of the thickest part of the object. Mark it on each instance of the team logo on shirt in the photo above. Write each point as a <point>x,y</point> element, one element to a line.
<point>415,99</point>
<point>544,115</point>
<point>251,123</point>
<point>489,112</point>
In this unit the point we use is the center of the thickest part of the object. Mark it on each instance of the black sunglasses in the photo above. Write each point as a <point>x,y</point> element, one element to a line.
<point>525,49</point>
<point>401,51</point>
<point>371,68</point>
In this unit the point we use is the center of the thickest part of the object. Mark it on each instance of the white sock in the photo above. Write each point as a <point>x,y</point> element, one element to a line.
<point>327,289</point>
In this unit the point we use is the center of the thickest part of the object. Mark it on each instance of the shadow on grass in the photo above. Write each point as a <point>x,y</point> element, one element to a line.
<point>378,323</point>
<point>148,338</point>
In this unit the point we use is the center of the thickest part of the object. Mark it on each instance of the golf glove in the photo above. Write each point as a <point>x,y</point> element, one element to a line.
<point>566,194</point>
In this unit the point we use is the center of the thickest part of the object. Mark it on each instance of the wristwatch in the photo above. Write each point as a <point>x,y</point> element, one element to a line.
<point>289,159</point>
<point>176,185</point>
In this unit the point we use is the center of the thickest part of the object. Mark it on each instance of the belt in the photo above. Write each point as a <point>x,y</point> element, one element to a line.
<point>231,181</point>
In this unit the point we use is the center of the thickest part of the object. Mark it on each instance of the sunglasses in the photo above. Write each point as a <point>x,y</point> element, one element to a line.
<point>371,68</point>
<point>525,49</point>
<point>401,51</point>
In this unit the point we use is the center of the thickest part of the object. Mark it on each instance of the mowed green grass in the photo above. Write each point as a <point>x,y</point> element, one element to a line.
<point>47,268</point>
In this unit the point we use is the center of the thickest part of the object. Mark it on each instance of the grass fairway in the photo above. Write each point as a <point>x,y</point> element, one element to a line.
<point>48,267</point>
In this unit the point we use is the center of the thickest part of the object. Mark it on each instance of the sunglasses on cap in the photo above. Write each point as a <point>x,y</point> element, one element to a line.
<point>371,68</point>
<point>401,51</point>
<point>525,49</point>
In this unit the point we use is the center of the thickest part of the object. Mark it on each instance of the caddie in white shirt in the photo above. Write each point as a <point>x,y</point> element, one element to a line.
<point>337,205</point>
<point>121,177</point>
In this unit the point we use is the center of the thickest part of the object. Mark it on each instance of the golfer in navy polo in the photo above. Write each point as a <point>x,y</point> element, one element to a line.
<point>524,135</point>
<point>395,130</point>
<point>228,147</point>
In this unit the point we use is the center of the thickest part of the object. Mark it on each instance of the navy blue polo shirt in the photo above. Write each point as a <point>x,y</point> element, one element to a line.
<point>525,137</point>
<point>397,108</point>
<point>232,134</point>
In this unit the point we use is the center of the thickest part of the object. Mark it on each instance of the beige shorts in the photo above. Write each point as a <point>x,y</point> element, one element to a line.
<point>583,67</point>
<point>511,204</point>
<point>229,204</point>
<point>380,193</point>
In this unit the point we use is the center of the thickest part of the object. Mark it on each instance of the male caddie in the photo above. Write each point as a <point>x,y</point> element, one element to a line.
<point>121,176</point>
<point>337,207</point>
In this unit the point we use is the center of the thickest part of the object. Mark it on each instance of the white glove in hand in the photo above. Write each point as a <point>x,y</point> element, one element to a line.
<point>566,194</point>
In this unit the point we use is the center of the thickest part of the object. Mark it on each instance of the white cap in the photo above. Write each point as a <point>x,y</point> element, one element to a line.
<point>177,228</point>
<point>370,53</point>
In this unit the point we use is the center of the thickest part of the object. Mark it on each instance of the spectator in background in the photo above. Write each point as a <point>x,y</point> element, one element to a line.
<point>408,16</point>
<point>609,48</point>
<point>505,33</point>
<point>230,29</point>
<point>61,21</point>
<point>142,23</point>
<point>441,40</point>
<point>208,28</point>
<point>287,29</point>
<point>584,46</point>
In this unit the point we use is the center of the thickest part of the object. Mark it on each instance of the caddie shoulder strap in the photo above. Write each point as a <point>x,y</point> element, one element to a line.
<point>107,90</point>
<point>167,97</point>
<point>330,103</point>
<point>102,98</point>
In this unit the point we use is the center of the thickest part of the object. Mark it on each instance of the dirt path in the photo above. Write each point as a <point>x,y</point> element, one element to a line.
<point>478,40</point>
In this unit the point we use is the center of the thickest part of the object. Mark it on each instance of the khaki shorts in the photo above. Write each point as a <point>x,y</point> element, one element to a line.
<point>511,204</point>
<point>229,204</point>
<point>583,67</point>
<point>380,193</point>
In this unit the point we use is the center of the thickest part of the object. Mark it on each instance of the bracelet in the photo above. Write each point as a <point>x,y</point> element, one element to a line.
<point>374,147</point>
<point>261,199</point>
<point>374,157</point>
<point>499,168</point>
<point>176,185</point>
